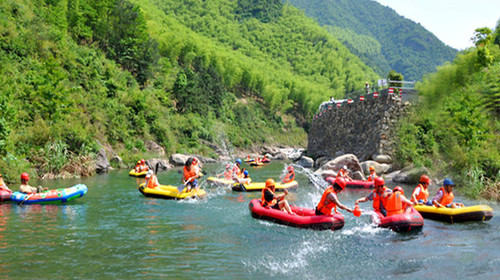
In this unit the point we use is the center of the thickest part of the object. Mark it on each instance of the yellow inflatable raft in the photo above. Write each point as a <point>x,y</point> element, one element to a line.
<point>220,181</point>
<point>456,215</point>
<point>171,192</point>
<point>258,186</point>
<point>253,163</point>
<point>137,174</point>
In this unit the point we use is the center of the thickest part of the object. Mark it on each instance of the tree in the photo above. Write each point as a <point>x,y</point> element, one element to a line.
<point>395,76</point>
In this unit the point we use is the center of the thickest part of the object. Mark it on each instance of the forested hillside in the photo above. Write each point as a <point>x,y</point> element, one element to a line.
<point>383,39</point>
<point>456,128</point>
<point>79,75</point>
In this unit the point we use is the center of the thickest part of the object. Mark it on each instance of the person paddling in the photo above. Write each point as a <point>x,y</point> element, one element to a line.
<point>190,175</point>
<point>236,170</point>
<point>290,175</point>
<point>269,199</point>
<point>151,180</point>
<point>421,192</point>
<point>372,175</point>
<point>228,173</point>
<point>378,196</point>
<point>343,173</point>
<point>329,199</point>
<point>25,188</point>
<point>397,203</point>
<point>444,197</point>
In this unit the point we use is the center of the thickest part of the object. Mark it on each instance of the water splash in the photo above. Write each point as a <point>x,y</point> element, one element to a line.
<point>318,182</point>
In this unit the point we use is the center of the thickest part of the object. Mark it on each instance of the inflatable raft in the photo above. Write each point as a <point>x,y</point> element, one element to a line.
<point>400,222</point>
<point>303,218</point>
<point>5,195</point>
<point>253,163</point>
<point>357,184</point>
<point>220,181</point>
<point>258,186</point>
<point>456,215</point>
<point>170,192</point>
<point>137,174</point>
<point>51,196</point>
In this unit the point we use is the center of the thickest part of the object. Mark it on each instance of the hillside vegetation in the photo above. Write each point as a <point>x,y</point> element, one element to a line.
<point>79,75</point>
<point>456,128</point>
<point>383,39</point>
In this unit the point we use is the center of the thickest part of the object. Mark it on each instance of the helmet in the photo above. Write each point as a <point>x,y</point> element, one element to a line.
<point>25,176</point>
<point>138,162</point>
<point>379,181</point>
<point>448,182</point>
<point>290,168</point>
<point>341,182</point>
<point>270,183</point>
<point>150,172</point>
<point>143,161</point>
<point>238,161</point>
<point>228,166</point>
<point>399,189</point>
<point>372,168</point>
<point>344,167</point>
<point>245,172</point>
<point>425,179</point>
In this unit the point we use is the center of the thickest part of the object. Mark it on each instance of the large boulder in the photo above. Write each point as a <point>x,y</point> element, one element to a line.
<point>410,175</point>
<point>322,160</point>
<point>358,175</point>
<point>306,162</point>
<point>280,156</point>
<point>295,154</point>
<point>178,159</point>
<point>383,159</point>
<point>102,163</point>
<point>154,148</point>
<point>162,164</point>
<point>380,168</point>
<point>349,160</point>
<point>325,173</point>
<point>117,161</point>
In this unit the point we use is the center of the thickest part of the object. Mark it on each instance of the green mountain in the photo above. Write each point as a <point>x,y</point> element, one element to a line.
<point>383,39</point>
<point>77,75</point>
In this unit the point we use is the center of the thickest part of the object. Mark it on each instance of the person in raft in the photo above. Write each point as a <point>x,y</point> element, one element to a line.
<point>372,175</point>
<point>444,196</point>
<point>228,173</point>
<point>378,196</point>
<point>343,173</point>
<point>138,166</point>
<point>236,170</point>
<point>190,175</point>
<point>151,180</point>
<point>269,199</point>
<point>25,188</point>
<point>421,192</point>
<point>144,166</point>
<point>329,199</point>
<point>397,203</point>
<point>246,180</point>
<point>290,175</point>
<point>197,166</point>
<point>3,186</point>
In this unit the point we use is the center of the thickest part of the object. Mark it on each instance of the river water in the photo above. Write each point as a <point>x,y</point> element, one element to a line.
<point>116,233</point>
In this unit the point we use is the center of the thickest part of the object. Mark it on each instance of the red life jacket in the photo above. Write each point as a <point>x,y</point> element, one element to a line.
<point>377,198</point>
<point>290,176</point>
<point>394,204</point>
<point>325,206</point>
<point>447,197</point>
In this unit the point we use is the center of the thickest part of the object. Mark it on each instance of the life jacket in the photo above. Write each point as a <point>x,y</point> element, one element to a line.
<point>151,183</point>
<point>290,176</point>
<point>236,172</point>
<point>323,206</point>
<point>422,195</point>
<point>341,173</point>
<point>189,173</point>
<point>447,197</point>
<point>394,204</point>
<point>372,176</point>
<point>228,175</point>
<point>263,199</point>
<point>377,198</point>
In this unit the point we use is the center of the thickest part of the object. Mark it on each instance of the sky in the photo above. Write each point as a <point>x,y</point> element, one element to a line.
<point>452,21</point>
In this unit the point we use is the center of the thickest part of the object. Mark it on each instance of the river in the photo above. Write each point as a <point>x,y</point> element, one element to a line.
<point>116,233</point>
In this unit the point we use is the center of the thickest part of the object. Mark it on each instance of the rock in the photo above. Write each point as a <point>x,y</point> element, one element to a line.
<point>380,168</point>
<point>306,162</point>
<point>224,158</point>
<point>410,176</point>
<point>350,160</point>
<point>178,159</point>
<point>322,160</point>
<point>280,156</point>
<point>339,153</point>
<point>326,173</point>
<point>390,176</point>
<point>102,162</point>
<point>203,159</point>
<point>295,154</point>
<point>383,159</point>
<point>358,175</point>
<point>117,161</point>
<point>154,148</point>
<point>270,150</point>
<point>162,164</point>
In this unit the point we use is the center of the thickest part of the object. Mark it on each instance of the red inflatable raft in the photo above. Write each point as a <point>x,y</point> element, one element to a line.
<point>400,222</point>
<point>304,218</point>
<point>5,195</point>
<point>359,184</point>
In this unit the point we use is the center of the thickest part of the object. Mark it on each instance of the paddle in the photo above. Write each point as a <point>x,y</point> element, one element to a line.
<point>25,198</point>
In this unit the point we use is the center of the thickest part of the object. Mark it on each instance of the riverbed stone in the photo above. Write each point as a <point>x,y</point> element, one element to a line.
<point>383,158</point>
<point>152,147</point>
<point>358,175</point>
<point>162,164</point>
<point>380,168</point>
<point>410,175</point>
<point>102,163</point>
<point>178,159</point>
<point>306,162</point>
<point>349,160</point>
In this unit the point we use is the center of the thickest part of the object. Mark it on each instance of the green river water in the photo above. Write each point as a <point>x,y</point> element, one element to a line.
<point>114,232</point>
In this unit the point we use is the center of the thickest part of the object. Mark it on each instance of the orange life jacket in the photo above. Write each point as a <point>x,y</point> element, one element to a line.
<point>151,183</point>
<point>422,195</point>
<point>236,172</point>
<point>289,177</point>
<point>228,175</point>
<point>189,173</point>
<point>372,176</point>
<point>394,204</point>
<point>447,197</point>
<point>263,199</point>
<point>325,206</point>
<point>341,173</point>
<point>377,198</point>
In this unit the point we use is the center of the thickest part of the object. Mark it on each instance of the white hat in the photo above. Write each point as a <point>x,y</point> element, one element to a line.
<point>345,167</point>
